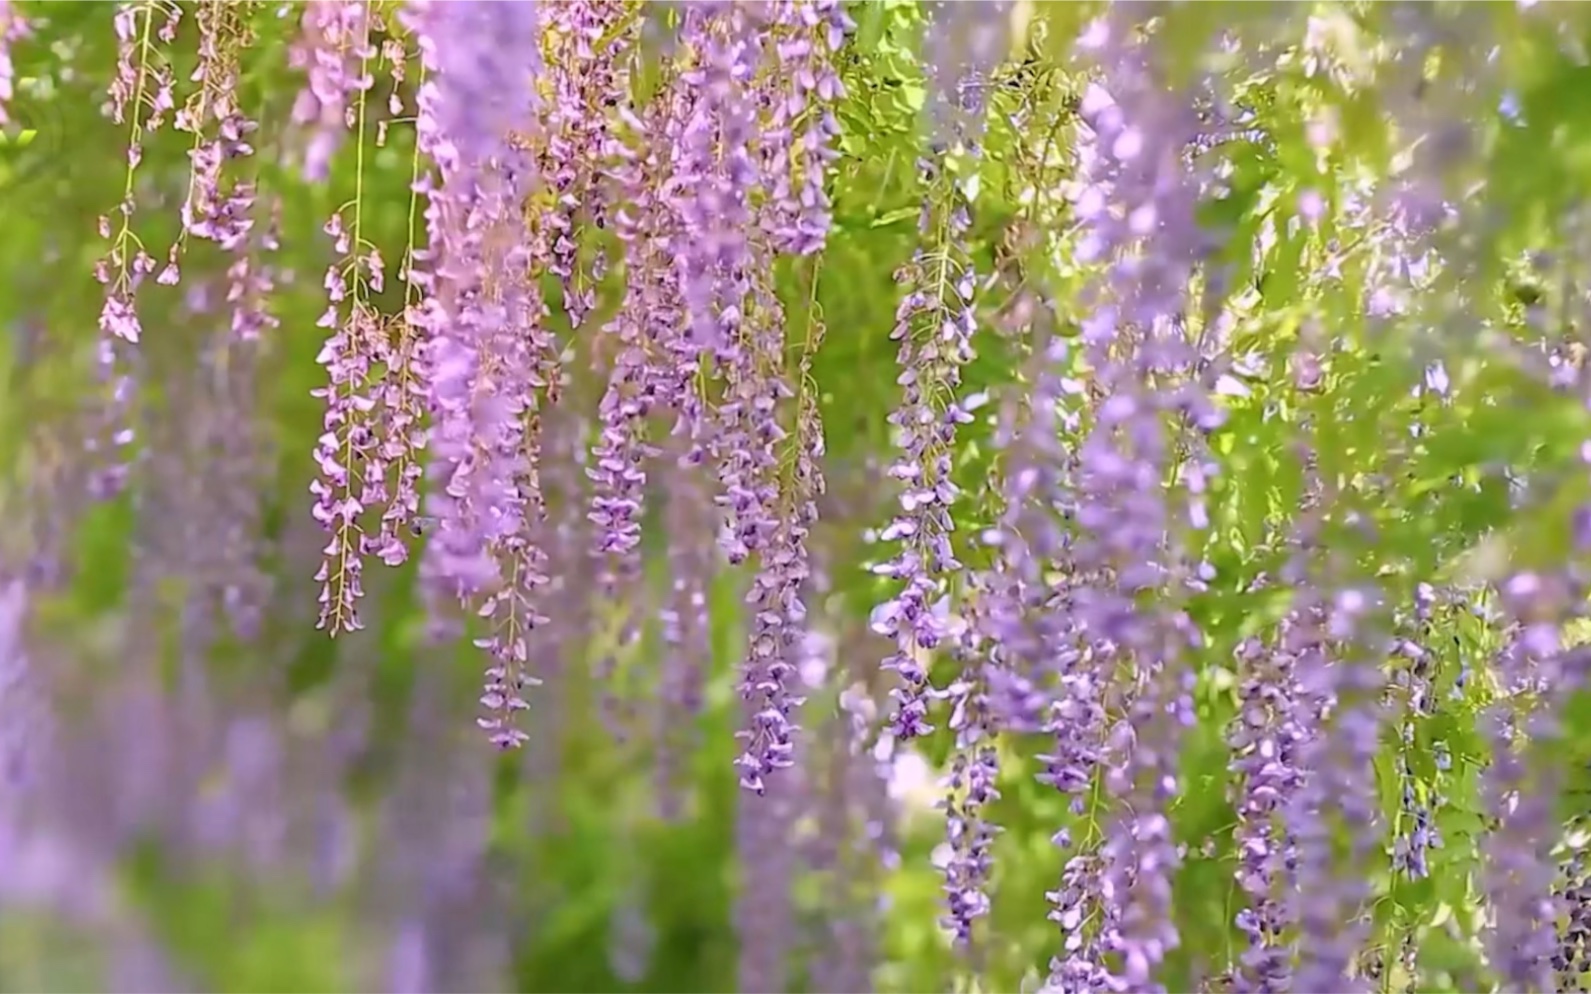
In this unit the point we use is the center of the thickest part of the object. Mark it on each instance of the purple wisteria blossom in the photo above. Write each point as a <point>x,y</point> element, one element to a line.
<point>491,356</point>
<point>1191,530</point>
<point>1520,870</point>
<point>771,513</point>
<point>970,788</point>
<point>934,324</point>
<point>1266,740</point>
<point>1137,204</point>
<point>797,140</point>
<point>715,169</point>
<point>590,93</point>
<point>331,51</point>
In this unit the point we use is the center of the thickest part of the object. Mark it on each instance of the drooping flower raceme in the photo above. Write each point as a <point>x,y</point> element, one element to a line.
<point>1026,613</point>
<point>934,324</point>
<point>714,168</point>
<point>1137,203</point>
<point>797,140</point>
<point>1522,793</point>
<point>491,356</point>
<point>331,50</point>
<point>219,207</point>
<point>653,373</point>
<point>470,102</point>
<point>1266,739</point>
<point>768,516</point>
<point>751,85</point>
<point>1340,678</point>
<point>141,95</point>
<point>590,42</point>
<point>351,478</point>
<point>971,786</point>
<point>642,380</point>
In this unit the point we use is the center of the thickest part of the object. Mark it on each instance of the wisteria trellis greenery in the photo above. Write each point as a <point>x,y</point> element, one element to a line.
<point>801,495</point>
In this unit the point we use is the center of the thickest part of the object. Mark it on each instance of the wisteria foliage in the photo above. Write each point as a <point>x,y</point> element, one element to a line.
<point>794,495</point>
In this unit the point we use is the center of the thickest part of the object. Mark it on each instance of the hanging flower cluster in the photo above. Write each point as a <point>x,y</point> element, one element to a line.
<point>591,408</point>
